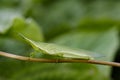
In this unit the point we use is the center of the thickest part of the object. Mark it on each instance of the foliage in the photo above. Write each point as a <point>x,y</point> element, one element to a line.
<point>89,25</point>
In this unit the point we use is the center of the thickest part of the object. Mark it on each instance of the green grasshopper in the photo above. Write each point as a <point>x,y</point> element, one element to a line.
<point>55,50</point>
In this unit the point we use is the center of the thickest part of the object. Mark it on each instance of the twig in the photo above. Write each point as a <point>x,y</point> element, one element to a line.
<point>58,60</point>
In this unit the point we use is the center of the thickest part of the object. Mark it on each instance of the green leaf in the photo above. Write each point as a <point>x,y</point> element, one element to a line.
<point>97,24</point>
<point>44,71</point>
<point>8,4</point>
<point>11,24</point>
<point>27,27</point>
<point>13,46</point>
<point>6,18</point>
<point>104,42</point>
<point>57,50</point>
<point>6,64</point>
<point>63,15</point>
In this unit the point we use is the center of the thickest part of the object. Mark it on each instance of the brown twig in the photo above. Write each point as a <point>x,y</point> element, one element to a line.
<point>58,60</point>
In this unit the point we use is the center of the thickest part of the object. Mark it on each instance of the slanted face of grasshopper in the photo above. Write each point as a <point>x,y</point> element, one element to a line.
<point>59,51</point>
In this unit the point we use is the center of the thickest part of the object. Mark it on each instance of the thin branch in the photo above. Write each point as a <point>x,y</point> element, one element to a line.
<point>58,60</point>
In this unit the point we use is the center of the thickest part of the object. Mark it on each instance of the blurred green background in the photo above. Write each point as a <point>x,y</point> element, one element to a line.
<point>92,25</point>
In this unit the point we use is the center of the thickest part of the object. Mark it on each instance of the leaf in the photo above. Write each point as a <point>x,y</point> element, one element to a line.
<point>57,50</point>
<point>72,13</point>
<point>97,24</point>
<point>12,22</point>
<point>44,71</point>
<point>104,42</point>
<point>9,41</point>
<point>9,4</point>
<point>27,27</point>
<point>98,39</point>
<point>62,17</point>
<point>6,64</point>
<point>13,46</point>
<point>6,18</point>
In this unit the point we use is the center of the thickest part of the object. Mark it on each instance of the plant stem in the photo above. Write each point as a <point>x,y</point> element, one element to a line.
<point>58,60</point>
